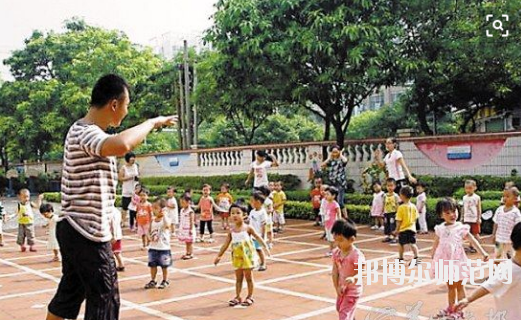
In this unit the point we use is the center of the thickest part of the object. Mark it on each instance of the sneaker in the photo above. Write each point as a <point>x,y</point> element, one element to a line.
<point>387,240</point>
<point>443,314</point>
<point>329,254</point>
<point>32,249</point>
<point>120,269</point>
<point>416,261</point>
<point>23,248</point>
<point>164,284</point>
<point>151,284</point>
<point>263,268</point>
<point>382,228</point>
<point>1,244</point>
<point>211,240</point>
<point>198,240</point>
<point>472,250</point>
<point>375,227</point>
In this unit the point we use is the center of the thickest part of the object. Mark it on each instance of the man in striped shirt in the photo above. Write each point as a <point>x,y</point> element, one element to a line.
<point>89,180</point>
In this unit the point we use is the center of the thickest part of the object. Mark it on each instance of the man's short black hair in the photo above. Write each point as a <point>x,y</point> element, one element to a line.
<point>516,236</point>
<point>107,88</point>
<point>344,228</point>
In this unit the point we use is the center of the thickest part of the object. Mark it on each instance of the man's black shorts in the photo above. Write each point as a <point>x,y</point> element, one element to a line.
<point>89,273</point>
<point>407,237</point>
<point>125,201</point>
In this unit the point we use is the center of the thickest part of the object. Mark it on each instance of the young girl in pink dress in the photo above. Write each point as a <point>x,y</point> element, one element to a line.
<point>448,245</point>
<point>187,226</point>
<point>347,259</point>
<point>377,207</point>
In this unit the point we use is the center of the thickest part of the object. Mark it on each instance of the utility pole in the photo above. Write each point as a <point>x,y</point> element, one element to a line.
<point>196,130</point>
<point>181,110</point>
<point>189,140</point>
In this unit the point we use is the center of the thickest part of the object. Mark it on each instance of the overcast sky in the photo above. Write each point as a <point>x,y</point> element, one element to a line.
<point>140,20</point>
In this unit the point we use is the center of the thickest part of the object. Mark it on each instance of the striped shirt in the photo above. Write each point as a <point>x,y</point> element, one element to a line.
<point>88,186</point>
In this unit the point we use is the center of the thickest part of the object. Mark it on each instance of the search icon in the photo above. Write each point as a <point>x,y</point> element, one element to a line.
<point>498,25</point>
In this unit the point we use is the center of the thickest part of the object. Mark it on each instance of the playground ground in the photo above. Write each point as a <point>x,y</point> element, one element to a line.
<point>297,284</point>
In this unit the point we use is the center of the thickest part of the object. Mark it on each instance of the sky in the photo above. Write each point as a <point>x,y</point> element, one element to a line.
<point>140,20</point>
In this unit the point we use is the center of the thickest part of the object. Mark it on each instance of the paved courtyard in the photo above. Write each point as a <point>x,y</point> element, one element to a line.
<point>297,284</point>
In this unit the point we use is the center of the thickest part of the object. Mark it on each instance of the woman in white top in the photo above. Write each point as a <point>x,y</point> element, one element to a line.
<point>259,169</point>
<point>129,177</point>
<point>394,163</point>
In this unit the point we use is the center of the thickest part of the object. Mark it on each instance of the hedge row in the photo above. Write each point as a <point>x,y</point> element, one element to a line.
<point>236,181</point>
<point>485,195</point>
<point>358,206</point>
<point>443,186</point>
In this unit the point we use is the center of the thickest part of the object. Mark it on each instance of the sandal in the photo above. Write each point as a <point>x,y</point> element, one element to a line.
<point>164,284</point>
<point>234,302</point>
<point>151,284</point>
<point>248,302</point>
<point>187,257</point>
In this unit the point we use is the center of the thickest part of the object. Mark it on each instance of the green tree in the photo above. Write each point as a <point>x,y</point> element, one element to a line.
<point>54,74</point>
<point>330,54</point>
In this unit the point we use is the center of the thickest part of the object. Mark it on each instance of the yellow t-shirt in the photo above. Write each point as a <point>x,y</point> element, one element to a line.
<point>25,213</point>
<point>391,202</point>
<point>278,197</point>
<point>407,215</point>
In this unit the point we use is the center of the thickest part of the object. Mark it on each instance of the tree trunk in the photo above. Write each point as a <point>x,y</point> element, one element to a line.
<point>422,114</point>
<point>340,134</point>
<point>327,135</point>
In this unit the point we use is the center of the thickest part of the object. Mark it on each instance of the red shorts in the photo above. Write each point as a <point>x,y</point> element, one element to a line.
<point>225,214</point>
<point>116,246</point>
<point>475,228</point>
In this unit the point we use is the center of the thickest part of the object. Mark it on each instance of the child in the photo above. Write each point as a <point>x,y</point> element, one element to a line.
<point>332,213</point>
<point>508,185</point>
<point>391,202</point>
<point>448,246</point>
<point>206,205</point>
<point>26,219</point>
<point>377,207</point>
<point>316,197</point>
<point>258,218</point>
<point>187,226</point>
<point>239,236</point>
<point>2,218</point>
<point>132,207</point>
<point>506,296</point>
<point>224,201</point>
<point>172,209</point>
<point>159,254</point>
<point>322,210</point>
<point>472,211</point>
<point>505,218</point>
<point>347,259</point>
<point>52,242</point>
<point>406,224</point>
<point>421,206</point>
<point>143,217</point>
<point>268,206</point>
<point>117,235</point>
<point>279,199</point>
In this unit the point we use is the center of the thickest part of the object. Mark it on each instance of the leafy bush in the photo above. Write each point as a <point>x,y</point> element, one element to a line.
<point>445,186</point>
<point>236,181</point>
<point>485,195</point>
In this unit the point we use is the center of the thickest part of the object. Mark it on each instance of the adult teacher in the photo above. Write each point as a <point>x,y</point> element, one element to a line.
<point>88,193</point>
<point>336,164</point>
<point>394,164</point>
<point>129,176</point>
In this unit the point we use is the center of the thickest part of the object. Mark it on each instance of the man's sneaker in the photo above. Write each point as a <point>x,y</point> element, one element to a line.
<point>151,284</point>
<point>164,284</point>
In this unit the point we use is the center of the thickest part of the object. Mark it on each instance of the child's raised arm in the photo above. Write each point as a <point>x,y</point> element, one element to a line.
<point>254,234</point>
<point>224,247</point>
<point>38,203</point>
